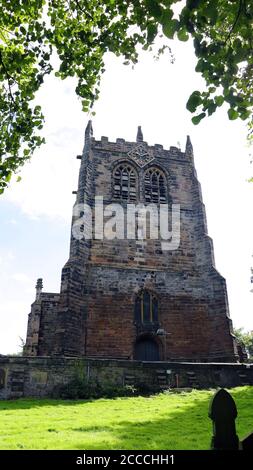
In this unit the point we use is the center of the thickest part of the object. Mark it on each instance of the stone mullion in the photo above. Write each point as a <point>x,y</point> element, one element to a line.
<point>141,186</point>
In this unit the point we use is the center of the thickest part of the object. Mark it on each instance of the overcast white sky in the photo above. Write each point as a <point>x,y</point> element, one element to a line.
<point>35,214</point>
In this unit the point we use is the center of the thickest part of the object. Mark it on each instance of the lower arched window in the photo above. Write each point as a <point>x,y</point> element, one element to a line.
<point>146,307</point>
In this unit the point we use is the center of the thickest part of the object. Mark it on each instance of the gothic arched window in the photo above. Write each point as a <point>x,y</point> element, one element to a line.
<point>155,186</point>
<point>146,308</point>
<point>124,182</point>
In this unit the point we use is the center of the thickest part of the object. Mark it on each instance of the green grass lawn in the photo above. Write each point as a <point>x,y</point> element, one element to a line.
<point>165,421</point>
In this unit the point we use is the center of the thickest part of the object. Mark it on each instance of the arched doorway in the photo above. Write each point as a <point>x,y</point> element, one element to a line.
<point>146,349</point>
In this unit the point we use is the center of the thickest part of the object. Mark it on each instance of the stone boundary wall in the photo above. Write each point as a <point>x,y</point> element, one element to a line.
<point>37,376</point>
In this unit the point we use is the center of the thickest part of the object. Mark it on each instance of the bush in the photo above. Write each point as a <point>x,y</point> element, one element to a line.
<point>79,388</point>
<point>147,389</point>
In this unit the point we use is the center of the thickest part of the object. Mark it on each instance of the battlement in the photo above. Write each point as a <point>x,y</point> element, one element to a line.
<point>123,146</point>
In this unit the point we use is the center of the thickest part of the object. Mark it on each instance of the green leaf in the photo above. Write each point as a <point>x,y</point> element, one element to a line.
<point>202,65</point>
<point>196,119</point>
<point>211,11</point>
<point>151,32</point>
<point>166,16</point>
<point>219,100</point>
<point>85,103</point>
<point>232,114</point>
<point>3,36</point>
<point>183,35</point>
<point>211,108</point>
<point>170,28</point>
<point>194,101</point>
<point>22,30</point>
<point>154,8</point>
<point>245,114</point>
<point>8,177</point>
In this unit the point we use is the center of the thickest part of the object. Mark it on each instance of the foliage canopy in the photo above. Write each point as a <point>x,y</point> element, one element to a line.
<point>82,31</point>
<point>245,338</point>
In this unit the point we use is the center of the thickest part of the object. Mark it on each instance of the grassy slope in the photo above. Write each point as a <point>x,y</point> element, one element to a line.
<point>174,421</point>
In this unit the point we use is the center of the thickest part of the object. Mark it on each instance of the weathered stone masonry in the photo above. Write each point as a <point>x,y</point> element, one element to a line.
<point>40,376</point>
<point>95,313</point>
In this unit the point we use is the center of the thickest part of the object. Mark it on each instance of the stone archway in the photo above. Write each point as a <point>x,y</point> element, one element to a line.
<point>146,349</point>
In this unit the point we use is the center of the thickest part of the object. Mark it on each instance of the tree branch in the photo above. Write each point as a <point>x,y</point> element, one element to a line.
<point>8,77</point>
<point>7,31</point>
<point>84,11</point>
<point>236,20</point>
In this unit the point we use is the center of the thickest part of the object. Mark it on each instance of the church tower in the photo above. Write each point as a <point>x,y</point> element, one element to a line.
<point>125,294</point>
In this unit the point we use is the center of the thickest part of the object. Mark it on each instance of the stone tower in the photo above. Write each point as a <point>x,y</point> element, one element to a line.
<point>131,298</point>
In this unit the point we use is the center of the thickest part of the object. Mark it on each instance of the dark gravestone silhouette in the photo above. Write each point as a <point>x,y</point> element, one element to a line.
<point>247,442</point>
<point>223,413</point>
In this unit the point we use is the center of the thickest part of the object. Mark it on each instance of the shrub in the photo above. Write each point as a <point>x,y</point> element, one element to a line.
<point>147,389</point>
<point>79,388</point>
